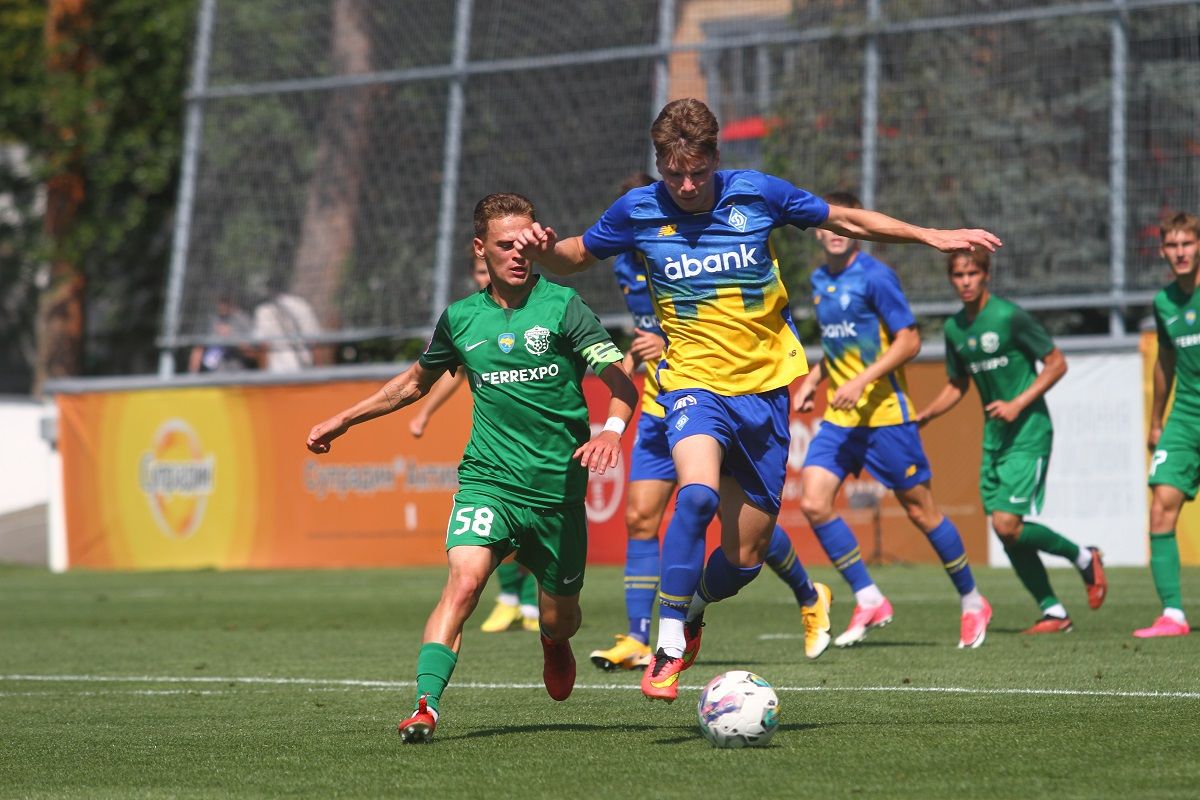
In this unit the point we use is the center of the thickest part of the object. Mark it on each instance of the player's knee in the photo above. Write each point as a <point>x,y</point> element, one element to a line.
<point>698,500</point>
<point>641,525</point>
<point>1007,528</point>
<point>748,555</point>
<point>463,591</point>
<point>818,510</point>
<point>561,620</point>
<point>923,518</point>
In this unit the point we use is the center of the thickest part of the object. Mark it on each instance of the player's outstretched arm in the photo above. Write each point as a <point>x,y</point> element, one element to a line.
<point>442,390</point>
<point>402,390</point>
<point>603,451</point>
<point>954,390</point>
<point>542,245</point>
<point>860,223</point>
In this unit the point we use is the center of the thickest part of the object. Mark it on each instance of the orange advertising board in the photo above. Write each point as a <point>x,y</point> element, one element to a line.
<point>190,477</point>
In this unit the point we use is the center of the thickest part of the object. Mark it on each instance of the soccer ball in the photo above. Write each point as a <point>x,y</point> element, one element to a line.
<point>738,709</point>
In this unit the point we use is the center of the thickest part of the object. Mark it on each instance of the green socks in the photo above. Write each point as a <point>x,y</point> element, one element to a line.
<point>510,577</point>
<point>1042,538</point>
<point>1164,566</point>
<point>529,590</point>
<point>435,665</point>
<point>1031,571</point>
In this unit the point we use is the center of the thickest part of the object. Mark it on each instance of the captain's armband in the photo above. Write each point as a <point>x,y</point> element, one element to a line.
<point>600,355</point>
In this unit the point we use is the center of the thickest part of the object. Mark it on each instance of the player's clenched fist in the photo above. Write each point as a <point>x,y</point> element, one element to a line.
<point>535,240</point>
<point>323,434</point>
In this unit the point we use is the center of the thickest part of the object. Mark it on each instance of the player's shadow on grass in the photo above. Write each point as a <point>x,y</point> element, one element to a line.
<point>561,727</point>
<point>688,734</point>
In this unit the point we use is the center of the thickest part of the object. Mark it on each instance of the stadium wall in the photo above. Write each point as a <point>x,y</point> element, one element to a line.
<point>190,476</point>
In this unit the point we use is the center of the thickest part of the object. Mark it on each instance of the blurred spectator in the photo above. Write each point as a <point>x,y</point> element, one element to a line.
<point>283,324</point>
<point>226,321</point>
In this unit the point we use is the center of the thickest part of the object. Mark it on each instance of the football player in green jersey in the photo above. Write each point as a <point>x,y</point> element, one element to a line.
<point>996,344</point>
<point>516,605</point>
<point>1175,463</point>
<point>525,344</point>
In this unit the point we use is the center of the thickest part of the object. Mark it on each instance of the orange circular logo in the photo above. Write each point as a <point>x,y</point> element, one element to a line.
<point>176,476</point>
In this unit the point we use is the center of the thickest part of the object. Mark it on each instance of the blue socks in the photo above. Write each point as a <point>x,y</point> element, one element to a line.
<point>722,579</point>
<point>840,545</point>
<point>641,584</point>
<point>683,549</point>
<point>781,557</point>
<point>949,547</point>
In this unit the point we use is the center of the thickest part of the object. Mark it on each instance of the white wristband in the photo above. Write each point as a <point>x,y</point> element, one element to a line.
<point>616,425</point>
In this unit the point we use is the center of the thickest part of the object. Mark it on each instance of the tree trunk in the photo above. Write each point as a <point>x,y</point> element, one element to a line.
<point>60,321</point>
<point>327,234</point>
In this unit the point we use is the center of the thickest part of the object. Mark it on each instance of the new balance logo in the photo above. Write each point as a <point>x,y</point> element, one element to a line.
<point>688,267</point>
<point>839,330</point>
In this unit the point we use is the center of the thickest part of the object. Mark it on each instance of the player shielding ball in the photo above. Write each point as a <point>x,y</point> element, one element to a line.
<point>652,479</point>
<point>525,344</point>
<point>1175,463</point>
<point>732,350</point>
<point>996,345</point>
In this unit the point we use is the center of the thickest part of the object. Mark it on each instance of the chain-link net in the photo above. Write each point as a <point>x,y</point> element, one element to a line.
<point>323,154</point>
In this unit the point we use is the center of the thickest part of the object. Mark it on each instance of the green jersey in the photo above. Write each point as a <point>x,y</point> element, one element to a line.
<point>525,366</point>
<point>1176,317</point>
<point>999,350</point>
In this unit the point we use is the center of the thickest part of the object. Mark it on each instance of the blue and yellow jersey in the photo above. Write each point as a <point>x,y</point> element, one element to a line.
<point>632,280</point>
<point>714,279</point>
<point>859,310</point>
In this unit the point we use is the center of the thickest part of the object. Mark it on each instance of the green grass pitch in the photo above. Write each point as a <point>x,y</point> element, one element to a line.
<point>255,684</point>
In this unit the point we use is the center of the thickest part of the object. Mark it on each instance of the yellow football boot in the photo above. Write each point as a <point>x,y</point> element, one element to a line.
<point>627,653</point>
<point>816,622</point>
<point>502,618</point>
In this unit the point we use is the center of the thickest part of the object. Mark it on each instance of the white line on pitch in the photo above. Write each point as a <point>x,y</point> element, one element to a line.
<point>375,684</point>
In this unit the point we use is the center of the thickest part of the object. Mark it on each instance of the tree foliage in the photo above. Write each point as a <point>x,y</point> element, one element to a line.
<point>120,120</point>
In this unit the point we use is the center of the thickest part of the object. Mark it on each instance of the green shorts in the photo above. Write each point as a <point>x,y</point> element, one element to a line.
<point>550,542</point>
<point>1013,481</point>
<point>1176,460</point>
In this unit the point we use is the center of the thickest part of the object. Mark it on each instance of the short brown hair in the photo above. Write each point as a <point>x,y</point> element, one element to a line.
<point>842,199</point>
<point>979,257</point>
<point>634,180</point>
<point>1180,221</point>
<point>499,206</point>
<point>684,130</point>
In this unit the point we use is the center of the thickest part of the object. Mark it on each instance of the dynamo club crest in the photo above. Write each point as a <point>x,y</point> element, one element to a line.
<point>506,342</point>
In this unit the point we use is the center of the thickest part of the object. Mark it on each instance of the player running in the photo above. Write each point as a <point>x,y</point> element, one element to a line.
<point>516,604</point>
<point>868,334</point>
<point>525,344</point>
<point>732,351</point>
<point>996,344</point>
<point>651,482</point>
<point>1175,465</point>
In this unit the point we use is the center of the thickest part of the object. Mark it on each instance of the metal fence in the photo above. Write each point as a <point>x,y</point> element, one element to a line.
<point>335,148</point>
